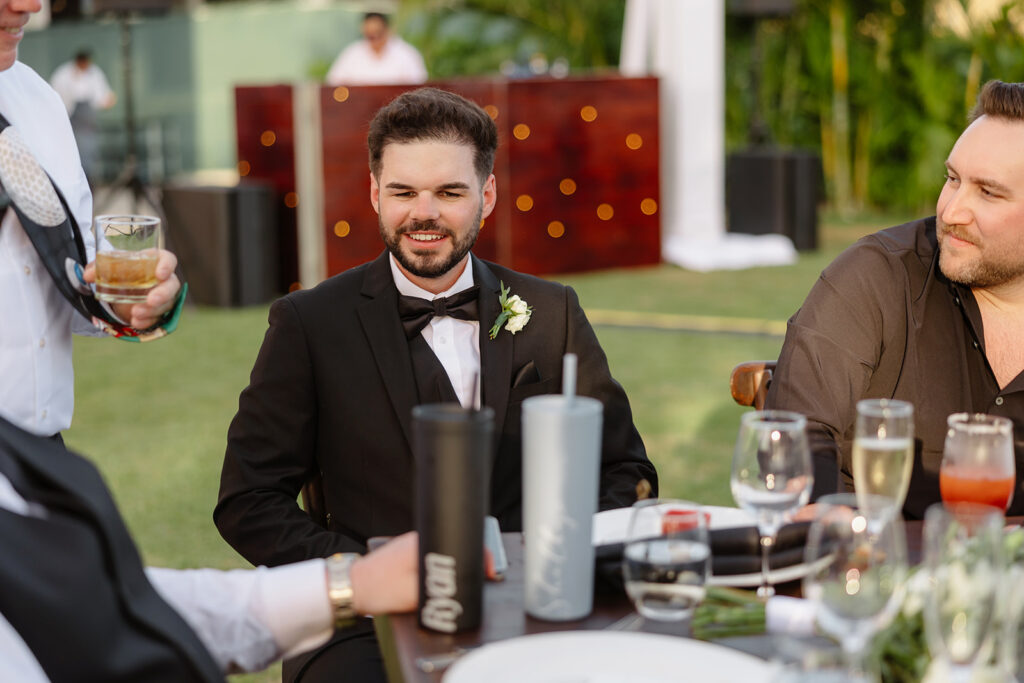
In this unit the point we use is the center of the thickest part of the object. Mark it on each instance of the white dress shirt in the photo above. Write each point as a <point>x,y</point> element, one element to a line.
<point>456,343</point>
<point>399,64</point>
<point>36,379</point>
<point>246,618</point>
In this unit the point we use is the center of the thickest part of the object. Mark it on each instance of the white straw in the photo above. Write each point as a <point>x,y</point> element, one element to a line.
<point>569,375</point>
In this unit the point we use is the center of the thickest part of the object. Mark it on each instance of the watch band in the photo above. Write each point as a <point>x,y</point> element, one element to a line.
<point>339,588</point>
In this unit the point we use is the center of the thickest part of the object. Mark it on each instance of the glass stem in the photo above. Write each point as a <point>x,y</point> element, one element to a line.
<point>767,541</point>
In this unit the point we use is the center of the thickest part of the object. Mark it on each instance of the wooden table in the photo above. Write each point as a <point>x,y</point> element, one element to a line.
<point>402,640</point>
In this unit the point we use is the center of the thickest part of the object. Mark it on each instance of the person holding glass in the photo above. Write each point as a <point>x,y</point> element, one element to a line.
<point>45,293</point>
<point>930,312</point>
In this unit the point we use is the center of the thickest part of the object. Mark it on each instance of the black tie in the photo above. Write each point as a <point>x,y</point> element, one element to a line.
<point>416,312</point>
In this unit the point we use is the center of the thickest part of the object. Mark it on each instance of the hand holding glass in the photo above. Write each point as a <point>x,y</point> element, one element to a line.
<point>771,474</point>
<point>127,251</point>
<point>666,559</point>
<point>978,461</point>
<point>883,455</point>
<point>857,573</point>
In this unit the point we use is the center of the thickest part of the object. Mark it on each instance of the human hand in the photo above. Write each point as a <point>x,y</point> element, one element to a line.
<point>158,301</point>
<point>387,579</point>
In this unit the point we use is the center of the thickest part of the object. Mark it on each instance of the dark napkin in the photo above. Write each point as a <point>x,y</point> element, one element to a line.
<point>733,551</point>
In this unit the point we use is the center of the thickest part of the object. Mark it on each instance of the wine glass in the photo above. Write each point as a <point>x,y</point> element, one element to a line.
<point>667,558</point>
<point>857,572</point>
<point>883,456</point>
<point>978,461</point>
<point>771,474</point>
<point>963,554</point>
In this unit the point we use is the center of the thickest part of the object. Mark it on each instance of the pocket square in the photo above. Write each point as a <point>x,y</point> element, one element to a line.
<point>526,375</point>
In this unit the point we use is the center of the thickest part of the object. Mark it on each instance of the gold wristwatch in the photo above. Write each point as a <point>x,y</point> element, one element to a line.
<point>339,588</point>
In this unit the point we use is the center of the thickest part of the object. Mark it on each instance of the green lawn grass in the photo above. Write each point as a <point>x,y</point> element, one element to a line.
<point>154,416</point>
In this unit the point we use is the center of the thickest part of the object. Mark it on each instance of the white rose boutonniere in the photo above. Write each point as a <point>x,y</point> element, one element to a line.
<point>515,313</point>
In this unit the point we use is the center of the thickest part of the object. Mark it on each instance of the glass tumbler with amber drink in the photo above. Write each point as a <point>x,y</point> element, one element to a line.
<point>126,256</point>
<point>978,460</point>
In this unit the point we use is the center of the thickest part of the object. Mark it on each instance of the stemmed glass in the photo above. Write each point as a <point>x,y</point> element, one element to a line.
<point>857,572</point>
<point>883,456</point>
<point>978,461</point>
<point>963,554</point>
<point>666,559</point>
<point>771,474</point>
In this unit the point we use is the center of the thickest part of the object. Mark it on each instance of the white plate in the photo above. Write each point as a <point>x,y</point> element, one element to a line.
<point>611,526</point>
<point>606,657</point>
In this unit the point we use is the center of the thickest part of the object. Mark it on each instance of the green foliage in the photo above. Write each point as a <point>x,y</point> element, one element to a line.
<point>911,82</point>
<point>485,37</point>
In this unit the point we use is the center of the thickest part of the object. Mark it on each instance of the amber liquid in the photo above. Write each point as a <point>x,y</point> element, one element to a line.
<point>988,487</point>
<point>125,276</point>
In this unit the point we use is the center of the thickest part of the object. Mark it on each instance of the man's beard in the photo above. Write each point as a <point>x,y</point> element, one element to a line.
<point>429,267</point>
<point>980,272</point>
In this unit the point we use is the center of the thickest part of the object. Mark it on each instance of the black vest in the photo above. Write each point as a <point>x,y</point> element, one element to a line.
<point>73,584</point>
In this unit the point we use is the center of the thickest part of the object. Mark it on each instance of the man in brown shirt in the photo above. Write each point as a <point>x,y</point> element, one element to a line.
<point>930,312</point>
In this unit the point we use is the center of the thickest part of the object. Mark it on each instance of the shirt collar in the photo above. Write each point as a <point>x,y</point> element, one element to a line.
<point>406,287</point>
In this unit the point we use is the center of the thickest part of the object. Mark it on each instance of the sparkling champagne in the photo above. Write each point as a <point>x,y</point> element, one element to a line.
<point>881,471</point>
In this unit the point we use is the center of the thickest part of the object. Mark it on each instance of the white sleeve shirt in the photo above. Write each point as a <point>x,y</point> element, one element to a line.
<point>456,343</point>
<point>246,618</point>
<point>399,64</point>
<point>36,378</point>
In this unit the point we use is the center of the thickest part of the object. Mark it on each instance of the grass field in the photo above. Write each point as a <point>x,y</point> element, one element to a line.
<point>154,416</point>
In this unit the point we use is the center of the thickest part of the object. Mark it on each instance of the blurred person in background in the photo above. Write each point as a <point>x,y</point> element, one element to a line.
<point>379,58</point>
<point>85,91</point>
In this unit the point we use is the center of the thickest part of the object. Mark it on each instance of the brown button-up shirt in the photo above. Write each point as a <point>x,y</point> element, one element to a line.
<point>883,322</point>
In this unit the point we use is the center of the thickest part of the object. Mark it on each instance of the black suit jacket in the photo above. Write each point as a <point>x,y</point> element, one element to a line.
<point>73,583</point>
<point>333,390</point>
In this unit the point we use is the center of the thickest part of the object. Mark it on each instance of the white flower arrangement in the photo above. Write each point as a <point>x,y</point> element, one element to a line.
<point>515,313</point>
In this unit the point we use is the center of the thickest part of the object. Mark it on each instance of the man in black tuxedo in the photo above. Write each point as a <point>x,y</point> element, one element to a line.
<point>343,364</point>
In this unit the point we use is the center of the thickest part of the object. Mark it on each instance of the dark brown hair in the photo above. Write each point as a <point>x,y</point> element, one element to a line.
<point>1000,100</point>
<point>432,114</point>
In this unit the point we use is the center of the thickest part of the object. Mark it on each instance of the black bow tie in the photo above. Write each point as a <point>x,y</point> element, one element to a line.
<point>416,312</point>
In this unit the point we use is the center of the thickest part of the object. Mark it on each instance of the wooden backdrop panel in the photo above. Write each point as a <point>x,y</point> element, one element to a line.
<point>577,188</point>
<point>265,134</point>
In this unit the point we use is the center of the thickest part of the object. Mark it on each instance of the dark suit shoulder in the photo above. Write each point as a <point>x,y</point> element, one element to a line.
<point>335,291</point>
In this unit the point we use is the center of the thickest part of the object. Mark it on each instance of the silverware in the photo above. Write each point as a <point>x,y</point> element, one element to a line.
<point>630,622</point>
<point>432,663</point>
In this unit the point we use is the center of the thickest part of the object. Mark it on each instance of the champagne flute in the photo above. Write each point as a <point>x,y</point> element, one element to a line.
<point>883,456</point>
<point>771,474</point>
<point>858,572</point>
<point>963,554</point>
<point>978,461</point>
<point>667,558</point>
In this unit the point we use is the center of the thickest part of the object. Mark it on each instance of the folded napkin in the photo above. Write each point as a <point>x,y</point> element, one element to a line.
<point>734,551</point>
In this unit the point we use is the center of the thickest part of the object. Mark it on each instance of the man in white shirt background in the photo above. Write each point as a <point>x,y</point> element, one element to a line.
<point>379,58</point>
<point>85,91</point>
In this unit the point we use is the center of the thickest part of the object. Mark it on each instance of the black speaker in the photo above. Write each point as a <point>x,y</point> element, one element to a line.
<point>226,241</point>
<point>774,191</point>
<point>761,8</point>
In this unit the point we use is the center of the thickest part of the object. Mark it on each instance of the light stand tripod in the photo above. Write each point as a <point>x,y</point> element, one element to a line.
<point>129,178</point>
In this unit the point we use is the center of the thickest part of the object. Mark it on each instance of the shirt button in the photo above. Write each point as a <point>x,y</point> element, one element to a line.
<point>42,342</point>
<point>43,415</point>
<point>28,271</point>
<point>999,400</point>
<point>443,340</point>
